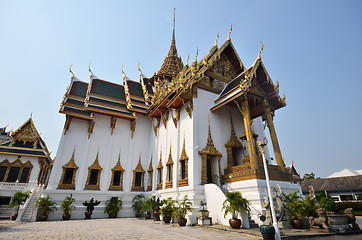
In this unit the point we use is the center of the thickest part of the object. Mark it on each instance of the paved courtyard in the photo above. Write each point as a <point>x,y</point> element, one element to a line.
<point>120,228</point>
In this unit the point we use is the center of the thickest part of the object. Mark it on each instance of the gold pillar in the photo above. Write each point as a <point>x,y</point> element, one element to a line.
<point>273,136</point>
<point>203,169</point>
<point>249,133</point>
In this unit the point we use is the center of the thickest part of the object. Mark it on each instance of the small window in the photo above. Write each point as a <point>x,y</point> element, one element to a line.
<point>2,173</point>
<point>169,173</point>
<point>93,178</point>
<point>183,169</point>
<point>24,175</point>
<point>68,176</point>
<point>13,174</point>
<point>138,180</point>
<point>159,179</point>
<point>117,178</point>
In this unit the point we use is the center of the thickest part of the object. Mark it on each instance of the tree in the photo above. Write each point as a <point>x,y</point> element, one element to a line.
<point>309,176</point>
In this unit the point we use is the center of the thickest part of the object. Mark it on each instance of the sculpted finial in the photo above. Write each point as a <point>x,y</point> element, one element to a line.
<point>259,57</point>
<point>197,53</point>
<point>91,73</point>
<point>217,38</point>
<point>231,29</point>
<point>188,57</point>
<point>70,70</point>
<point>262,144</point>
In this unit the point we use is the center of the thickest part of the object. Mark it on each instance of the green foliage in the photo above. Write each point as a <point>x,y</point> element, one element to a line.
<point>359,197</point>
<point>168,207</point>
<point>357,206</point>
<point>45,205</point>
<point>309,176</point>
<point>203,205</point>
<point>293,204</point>
<point>18,199</point>
<point>67,205</point>
<point>309,207</point>
<point>235,203</point>
<point>328,203</point>
<point>91,204</point>
<point>113,205</point>
<point>138,202</point>
<point>148,205</point>
<point>183,208</point>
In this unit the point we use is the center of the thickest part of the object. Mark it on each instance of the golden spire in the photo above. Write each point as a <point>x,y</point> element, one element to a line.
<point>188,57</point>
<point>259,57</point>
<point>209,138</point>
<point>173,50</point>
<point>89,69</point>
<point>197,53</point>
<point>217,38</point>
<point>70,70</point>
<point>231,29</point>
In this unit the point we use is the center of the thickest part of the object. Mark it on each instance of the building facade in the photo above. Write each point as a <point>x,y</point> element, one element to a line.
<point>170,135</point>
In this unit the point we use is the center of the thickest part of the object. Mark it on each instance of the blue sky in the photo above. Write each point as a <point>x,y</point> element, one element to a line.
<point>313,48</point>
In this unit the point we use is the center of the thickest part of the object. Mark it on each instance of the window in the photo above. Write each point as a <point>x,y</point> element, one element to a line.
<point>183,170</point>
<point>13,174</point>
<point>159,176</point>
<point>169,166</point>
<point>117,177</point>
<point>94,175</point>
<point>67,180</point>
<point>184,159</point>
<point>169,174</point>
<point>149,176</point>
<point>159,173</point>
<point>3,170</point>
<point>138,181</point>
<point>138,177</point>
<point>25,175</point>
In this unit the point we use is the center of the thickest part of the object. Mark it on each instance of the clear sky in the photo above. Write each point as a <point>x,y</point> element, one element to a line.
<point>313,48</point>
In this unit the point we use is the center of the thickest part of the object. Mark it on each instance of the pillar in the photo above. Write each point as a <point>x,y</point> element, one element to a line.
<point>273,137</point>
<point>249,134</point>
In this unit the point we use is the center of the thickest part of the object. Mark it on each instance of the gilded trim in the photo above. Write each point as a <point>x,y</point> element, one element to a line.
<point>71,164</point>
<point>94,166</point>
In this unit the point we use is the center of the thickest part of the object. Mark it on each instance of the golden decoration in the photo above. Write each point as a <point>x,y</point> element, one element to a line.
<point>94,166</point>
<point>231,29</point>
<point>164,119</point>
<point>231,145</point>
<point>113,123</point>
<point>259,55</point>
<point>185,158</point>
<point>177,118</point>
<point>159,173</point>
<point>155,127</point>
<point>133,126</point>
<point>68,120</point>
<point>144,87</point>
<point>70,70</point>
<point>169,165</point>
<point>90,71</point>
<point>117,168</point>
<point>16,163</point>
<point>150,176</point>
<point>189,109</point>
<point>71,164</point>
<point>138,169</point>
<point>217,38</point>
<point>91,127</point>
<point>26,133</point>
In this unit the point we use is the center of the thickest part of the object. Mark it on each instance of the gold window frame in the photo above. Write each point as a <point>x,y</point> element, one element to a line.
<point>169,162</point>
<point>94,166</point>
<point>71,164</point>
<point>119,168</point>
<point>184,157</point>
<point>138,169</point>
<point>159,173</point>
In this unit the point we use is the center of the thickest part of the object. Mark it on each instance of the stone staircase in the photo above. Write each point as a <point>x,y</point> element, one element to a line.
<point>29,211</point>
<point>253,224</point>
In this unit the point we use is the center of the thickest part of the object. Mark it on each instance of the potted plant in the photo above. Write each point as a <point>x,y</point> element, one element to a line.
<point>203,213</point>
<point>137,204</point>
<point>295,207</point>
<point>167,209</point>
<point>147,207</point>
<point>67,207</point>
<point>183,208</point>
<point>17,200</point>
<point>45,206</point>
<point>233,204</point>
<point>156,204</point>
<point>113,206</point>
<point>90,207</point>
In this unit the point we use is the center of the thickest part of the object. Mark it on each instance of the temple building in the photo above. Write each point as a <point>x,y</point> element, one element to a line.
<point>25,162</point>
<point>189,126</point>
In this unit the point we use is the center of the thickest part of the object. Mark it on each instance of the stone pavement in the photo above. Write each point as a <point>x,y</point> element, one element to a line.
<point>119,228</point>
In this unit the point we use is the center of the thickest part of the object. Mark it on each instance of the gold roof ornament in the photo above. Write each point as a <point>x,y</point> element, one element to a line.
<point>89,69</point>
<point>259,56</point>
<point>70,70</point>
<point>188,57</point>
<point>139,167</point>
<point>231,29</point>
<point>209,138</point>
<point>197,54</point>
<point>217,38</point>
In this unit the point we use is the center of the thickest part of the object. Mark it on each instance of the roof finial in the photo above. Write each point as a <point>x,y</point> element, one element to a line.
<point>70,70</point>
<point>197,53</point>
<point>231,29</point>
<point>31,115</point>
<point>217,38</point>
<point>262,46</point>
<point>174,14</point>
<point>139,69</point>
<point>188,57</point>
<point>91,73</point>
<point>173,50</point>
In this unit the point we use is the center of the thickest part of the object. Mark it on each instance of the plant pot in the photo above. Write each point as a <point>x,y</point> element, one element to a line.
<point>66,217</point>
<point>138,215</point>
<point>147,216</point>
<point>166,219</point>
<point>182,222</point>
<point>235,223</point>
<point>88,214</point>
<point>268,231</point>
<point>43,217</point>
<point>297,223</point>
<point>203,214</point>
<point>112,215</point>
<point>156,216</point>
<point>14,217</point>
